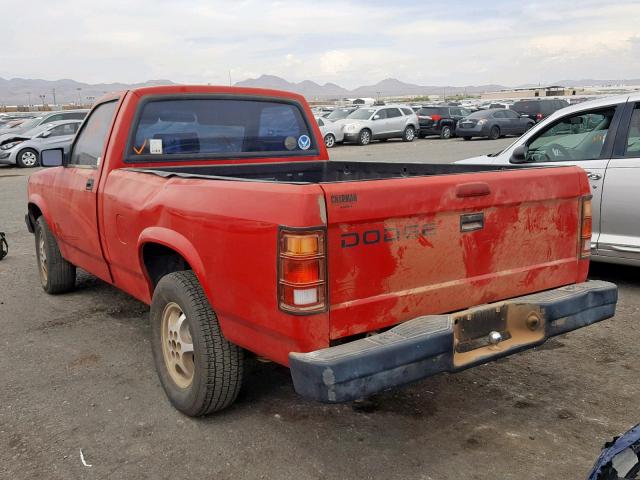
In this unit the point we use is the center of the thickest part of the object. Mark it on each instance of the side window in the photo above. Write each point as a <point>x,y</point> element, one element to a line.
<point>576,137</point>
<point>407,111</point>
<point>500,114</point>
<point>91,139</point>
<point>60,130</point>
<point>455,112</point>
<point>511,114</point>
<point>381,114</point>
<point>633,138</point>
<point>75,115</point>
<point>393,113</point>
<point>320,122</point>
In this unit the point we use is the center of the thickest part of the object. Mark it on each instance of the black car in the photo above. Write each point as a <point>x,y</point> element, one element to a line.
<point>539,108</point>
<point>440,120</point>
<point>493,124</point>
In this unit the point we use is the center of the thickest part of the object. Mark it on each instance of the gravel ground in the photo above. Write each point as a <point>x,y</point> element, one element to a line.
<point>78,375</point>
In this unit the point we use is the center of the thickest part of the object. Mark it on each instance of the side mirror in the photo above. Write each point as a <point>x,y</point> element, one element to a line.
<point>45,134</point>
<point>52,157</point>
<point>519,155</point>
<point>376,117</point>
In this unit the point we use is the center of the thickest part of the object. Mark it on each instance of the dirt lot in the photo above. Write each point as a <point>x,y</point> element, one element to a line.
<point>77,374</point>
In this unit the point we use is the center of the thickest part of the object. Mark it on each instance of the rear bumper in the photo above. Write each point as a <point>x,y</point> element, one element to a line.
<point>424,346</point>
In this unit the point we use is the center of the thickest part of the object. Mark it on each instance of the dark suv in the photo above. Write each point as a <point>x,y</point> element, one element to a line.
<point>539,108</point>
<point>440,120</point>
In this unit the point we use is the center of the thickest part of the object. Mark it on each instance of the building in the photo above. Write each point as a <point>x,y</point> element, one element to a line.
<point>550,91</point>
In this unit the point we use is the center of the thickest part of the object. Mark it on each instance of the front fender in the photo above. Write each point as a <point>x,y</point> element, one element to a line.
<point>39,202</point>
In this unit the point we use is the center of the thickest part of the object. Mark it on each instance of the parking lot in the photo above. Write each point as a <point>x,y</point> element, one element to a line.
<point>78,375</point>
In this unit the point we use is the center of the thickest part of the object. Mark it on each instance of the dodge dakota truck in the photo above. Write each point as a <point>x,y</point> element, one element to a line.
<point>218,207</point>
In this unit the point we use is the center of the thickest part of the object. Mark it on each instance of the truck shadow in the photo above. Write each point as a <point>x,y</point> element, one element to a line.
<point>618,274</point>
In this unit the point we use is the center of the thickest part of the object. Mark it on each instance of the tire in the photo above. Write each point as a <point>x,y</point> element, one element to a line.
<point>445,132</point>
<point>467,138</point>
<point>409,134</point>
<point>27,158</point>
<point>329,140</point>
<point>213,366</point>
<point>364,137</point>
<point>56,274</point>
<point>494,133</point>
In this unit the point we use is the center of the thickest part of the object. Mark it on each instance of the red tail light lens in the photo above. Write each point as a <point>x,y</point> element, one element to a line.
<point>436,118</point>
<point>586,226</point>
<point>539,116</point>
<point>302,270</point>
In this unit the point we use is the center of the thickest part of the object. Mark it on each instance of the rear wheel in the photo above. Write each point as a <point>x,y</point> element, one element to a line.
<point>56,274</point>
<point>200,370</point>
<point>494,133</point>
<point>27,158</point>
<point>365,137</point>
<point>445,132</point>
<point>409,134</point>
<point>329,140</point>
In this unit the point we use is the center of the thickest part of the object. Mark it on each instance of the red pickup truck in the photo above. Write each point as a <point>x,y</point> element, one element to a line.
<point>217,206</point>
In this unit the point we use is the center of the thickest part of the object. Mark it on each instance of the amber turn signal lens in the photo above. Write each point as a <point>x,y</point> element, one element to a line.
<point>586,228</point>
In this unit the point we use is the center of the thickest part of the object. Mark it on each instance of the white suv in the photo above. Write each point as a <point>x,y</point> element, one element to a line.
<point>380,123</point>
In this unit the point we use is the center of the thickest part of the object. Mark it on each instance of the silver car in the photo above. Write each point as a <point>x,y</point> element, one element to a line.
<point>380,123</point>
<point>603,137</point>
<point>42,119</point>
<point>331,132</point>
<point>24,150</point>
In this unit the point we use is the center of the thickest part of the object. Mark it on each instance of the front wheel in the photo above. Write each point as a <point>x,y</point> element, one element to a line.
<point>409,134</point>
<point>27,158</point>
<point>445,133</point>
<point>494,133</point>
<point>56,274</point>
<point>365,137</point>
<point>200,370</point>
<point>329,140</point>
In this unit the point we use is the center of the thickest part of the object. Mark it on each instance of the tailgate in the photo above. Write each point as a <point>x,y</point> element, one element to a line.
<point>401,248</point>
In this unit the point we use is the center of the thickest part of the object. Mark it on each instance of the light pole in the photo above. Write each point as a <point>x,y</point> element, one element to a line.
<point>54,96</point>
<point>29,99</point>
<point>42,96</point>
<point>79,97</point>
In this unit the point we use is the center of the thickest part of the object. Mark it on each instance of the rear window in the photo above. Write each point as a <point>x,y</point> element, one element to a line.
<point>219,127</point>
<point>527,107</point>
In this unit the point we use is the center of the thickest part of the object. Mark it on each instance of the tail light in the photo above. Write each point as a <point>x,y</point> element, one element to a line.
<point>436,118</point>
<point>539,116</point>
<point>584,249</point>
<point>302,270</point>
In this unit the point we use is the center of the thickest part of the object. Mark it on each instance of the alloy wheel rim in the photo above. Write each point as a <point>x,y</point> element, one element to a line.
<point>28,158</point>
<point>177,345</point>
<point>42,257</point>
<point>329,141</point>
<point>365,137</point>
<point>410,134</point>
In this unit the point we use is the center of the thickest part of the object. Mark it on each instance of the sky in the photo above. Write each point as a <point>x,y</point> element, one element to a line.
<point>348,42</point>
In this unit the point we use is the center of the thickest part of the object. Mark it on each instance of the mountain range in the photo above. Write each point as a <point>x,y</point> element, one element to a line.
<point>20,91</point>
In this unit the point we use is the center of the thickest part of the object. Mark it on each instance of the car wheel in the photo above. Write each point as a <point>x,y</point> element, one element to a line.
<point>200,370</point>
<point>329,140</point>
<point>467,138</point>
<point>494,133</point>
<point>409,134</point>
<point>445,133</point>
<point>56,274</point>
<point>27,158</point>
<point>365,137</point>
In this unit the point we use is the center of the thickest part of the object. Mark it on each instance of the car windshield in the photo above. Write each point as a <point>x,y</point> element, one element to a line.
<point>219,126</point>
<point>29,124</point>
<point>339,114</point>
<point>362,114</point>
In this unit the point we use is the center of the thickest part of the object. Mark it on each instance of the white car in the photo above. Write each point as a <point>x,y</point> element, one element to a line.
<point>331,132</point>
<point>603,137</point>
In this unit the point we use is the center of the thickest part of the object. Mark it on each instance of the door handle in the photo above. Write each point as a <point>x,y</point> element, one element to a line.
<point>89,185</point>
<point>471,221</point>
<point>593,176</point>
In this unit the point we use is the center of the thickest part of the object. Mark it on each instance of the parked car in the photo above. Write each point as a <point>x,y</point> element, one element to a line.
<point>539,108</point>
<point>44,117</point>
<point>380,123</point>
<point>603,137</point>
<point>331,132</point>
<point>493,124</point>
<point>218,208</point>
<point>440,120</point>
<point>24,150</point>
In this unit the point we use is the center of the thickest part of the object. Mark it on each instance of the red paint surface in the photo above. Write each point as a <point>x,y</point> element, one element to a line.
<point>227,231</point>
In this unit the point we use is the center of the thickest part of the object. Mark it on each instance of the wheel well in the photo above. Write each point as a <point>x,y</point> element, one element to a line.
<point>34,211</point>
<point>160,260</point>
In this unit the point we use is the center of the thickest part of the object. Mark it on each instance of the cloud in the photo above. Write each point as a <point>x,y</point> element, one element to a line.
<point>350,42</point>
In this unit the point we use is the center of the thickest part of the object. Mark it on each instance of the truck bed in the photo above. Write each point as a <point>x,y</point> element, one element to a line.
<point>303,173</point>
